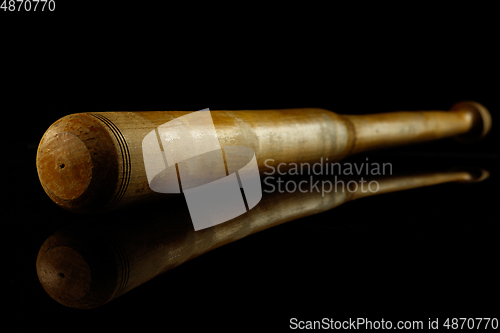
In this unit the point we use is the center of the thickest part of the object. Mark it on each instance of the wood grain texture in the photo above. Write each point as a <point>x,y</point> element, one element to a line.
<point>93,162</point>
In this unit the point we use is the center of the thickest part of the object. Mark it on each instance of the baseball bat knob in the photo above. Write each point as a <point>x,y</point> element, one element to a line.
<point>479,117</point>
<point>471,175</point>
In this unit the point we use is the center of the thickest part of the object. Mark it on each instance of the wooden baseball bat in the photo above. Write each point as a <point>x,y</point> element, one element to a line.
<point>87,265</point>
<point>92,162</point>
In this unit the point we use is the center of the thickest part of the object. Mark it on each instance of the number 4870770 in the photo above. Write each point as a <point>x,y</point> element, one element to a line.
<point>28,5</point>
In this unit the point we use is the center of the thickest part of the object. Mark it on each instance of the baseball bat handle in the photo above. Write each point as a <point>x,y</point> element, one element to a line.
<point>467,121</point>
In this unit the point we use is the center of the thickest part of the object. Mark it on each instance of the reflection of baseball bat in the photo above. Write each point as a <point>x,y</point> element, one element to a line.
<point>91,162</point>
<point>87,265</point>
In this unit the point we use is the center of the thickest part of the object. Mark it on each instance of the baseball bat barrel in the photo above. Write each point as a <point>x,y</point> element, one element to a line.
<point>87,265</point>
<point>92,162</point>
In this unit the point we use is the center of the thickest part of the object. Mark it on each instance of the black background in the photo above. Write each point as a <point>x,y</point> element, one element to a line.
<point>419,254</point>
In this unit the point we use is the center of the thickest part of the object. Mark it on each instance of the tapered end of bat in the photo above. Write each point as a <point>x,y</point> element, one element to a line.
<point>76,163</point>
<point>480,119</point>
<point>472,175</point>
